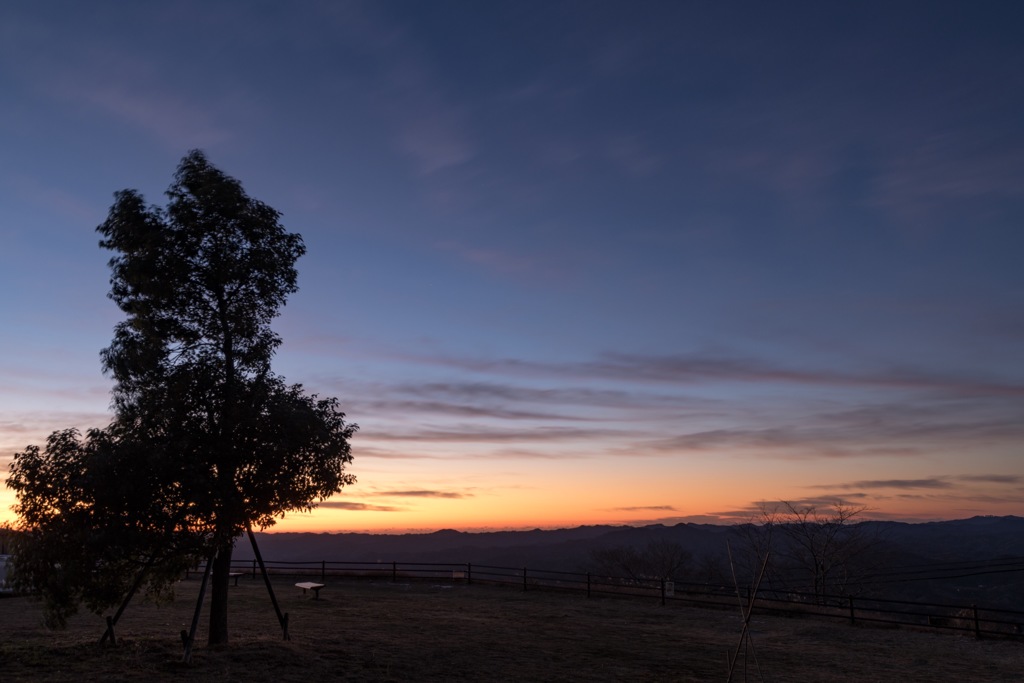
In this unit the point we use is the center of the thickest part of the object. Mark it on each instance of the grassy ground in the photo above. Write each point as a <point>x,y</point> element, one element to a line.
<point>378,631</point>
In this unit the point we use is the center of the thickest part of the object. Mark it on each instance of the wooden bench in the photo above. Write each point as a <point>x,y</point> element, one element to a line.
<point>315,587</point>
<point>235,575</point>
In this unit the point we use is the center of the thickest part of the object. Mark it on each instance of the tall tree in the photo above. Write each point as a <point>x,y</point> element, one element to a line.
<point>231,444</point>
<point>200,282</point>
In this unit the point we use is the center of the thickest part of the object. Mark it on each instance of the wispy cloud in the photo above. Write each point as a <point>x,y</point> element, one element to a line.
<point>422,494</point>
<point>568,398</point>
<point>28,391</point>
<point>702,368</point>
<point>696,368</point>
<point>822,504</point>
<point>991,478</point>
<point>361,450</point>
<point>430,128</point>
<point>484,434</point>
<point>540,451</point>
<point>755,511</point>
<point>884,430</point>
<point>358,507</point>
<point>433,137</point>
<point>35,426</point>
<point>926,177</point>
<point>173,119</point>
<point>631,405</point>
<point>782,442</point>
<point>963,483</point>
<point>131,91</point>
<point>367,447</point>
<point>498,261</point>
<point>462,410</point>
<point>130,85</point>
<point>932,483</point>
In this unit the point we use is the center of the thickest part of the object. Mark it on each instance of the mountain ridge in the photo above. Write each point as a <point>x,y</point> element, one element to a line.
<point>981,537</point>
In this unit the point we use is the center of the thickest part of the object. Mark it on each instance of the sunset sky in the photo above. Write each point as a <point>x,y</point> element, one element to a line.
<point>568,262</point>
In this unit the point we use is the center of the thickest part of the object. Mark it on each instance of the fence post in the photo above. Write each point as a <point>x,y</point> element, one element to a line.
<point>852,620</point>
<point>663,592</point>
<point>394,572</point>
<point>254,569</point>
<point>469,573</point>
<point>524,579</point>
<point>323,570</point>
<point>588,584</point>
<point>977,625</point>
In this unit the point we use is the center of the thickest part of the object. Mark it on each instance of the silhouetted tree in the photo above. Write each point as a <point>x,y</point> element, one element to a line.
<point>227,442</point>
<point>823,550</point>
<point>712,571</point>
<point>659,559</point>
<point>93,515</point>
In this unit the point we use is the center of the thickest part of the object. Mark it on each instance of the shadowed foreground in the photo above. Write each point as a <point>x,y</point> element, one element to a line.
<point>362,631</point>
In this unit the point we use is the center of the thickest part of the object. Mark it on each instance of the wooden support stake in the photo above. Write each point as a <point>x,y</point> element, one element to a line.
<point>112,621</point>
<point>281,618</point>
<point>150,561</point>
<point>746,642</point>
<point>109,632</point>
<point>190,637</point>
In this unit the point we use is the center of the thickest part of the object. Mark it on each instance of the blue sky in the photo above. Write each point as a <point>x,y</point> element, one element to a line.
<point>567,262</point>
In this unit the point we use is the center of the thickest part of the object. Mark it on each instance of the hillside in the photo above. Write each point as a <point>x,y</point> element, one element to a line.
<point>426,631</point>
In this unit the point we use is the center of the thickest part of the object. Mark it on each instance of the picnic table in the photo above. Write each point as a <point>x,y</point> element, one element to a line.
<point>235,575</point>
<point>315,587</point>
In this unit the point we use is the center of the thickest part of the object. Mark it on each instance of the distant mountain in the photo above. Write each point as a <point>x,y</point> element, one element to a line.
<point>976,539</point>
<point>558,550</point>
<point>978,560</point>
<point>440,546</point>
<point>970,561</point>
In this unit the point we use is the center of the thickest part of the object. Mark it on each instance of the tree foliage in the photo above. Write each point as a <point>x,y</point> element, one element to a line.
<point>92,515</point>
<point>206,440</point>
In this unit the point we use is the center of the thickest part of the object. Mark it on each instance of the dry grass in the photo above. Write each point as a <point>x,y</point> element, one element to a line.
<point>378,631</point>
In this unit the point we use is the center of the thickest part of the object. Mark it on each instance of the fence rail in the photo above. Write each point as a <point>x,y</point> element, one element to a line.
<point>972,619</point>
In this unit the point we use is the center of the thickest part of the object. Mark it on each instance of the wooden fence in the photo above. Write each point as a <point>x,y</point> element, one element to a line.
<point>972,619</point>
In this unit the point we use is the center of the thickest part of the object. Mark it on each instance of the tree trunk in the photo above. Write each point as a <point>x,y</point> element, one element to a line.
<point>219,595</point>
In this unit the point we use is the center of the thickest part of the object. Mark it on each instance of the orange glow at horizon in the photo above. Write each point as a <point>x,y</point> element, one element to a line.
<point>548,510</point>
<point>412,496</point>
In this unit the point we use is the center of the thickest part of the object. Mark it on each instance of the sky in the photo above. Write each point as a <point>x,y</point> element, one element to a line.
<point>568,262</point>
